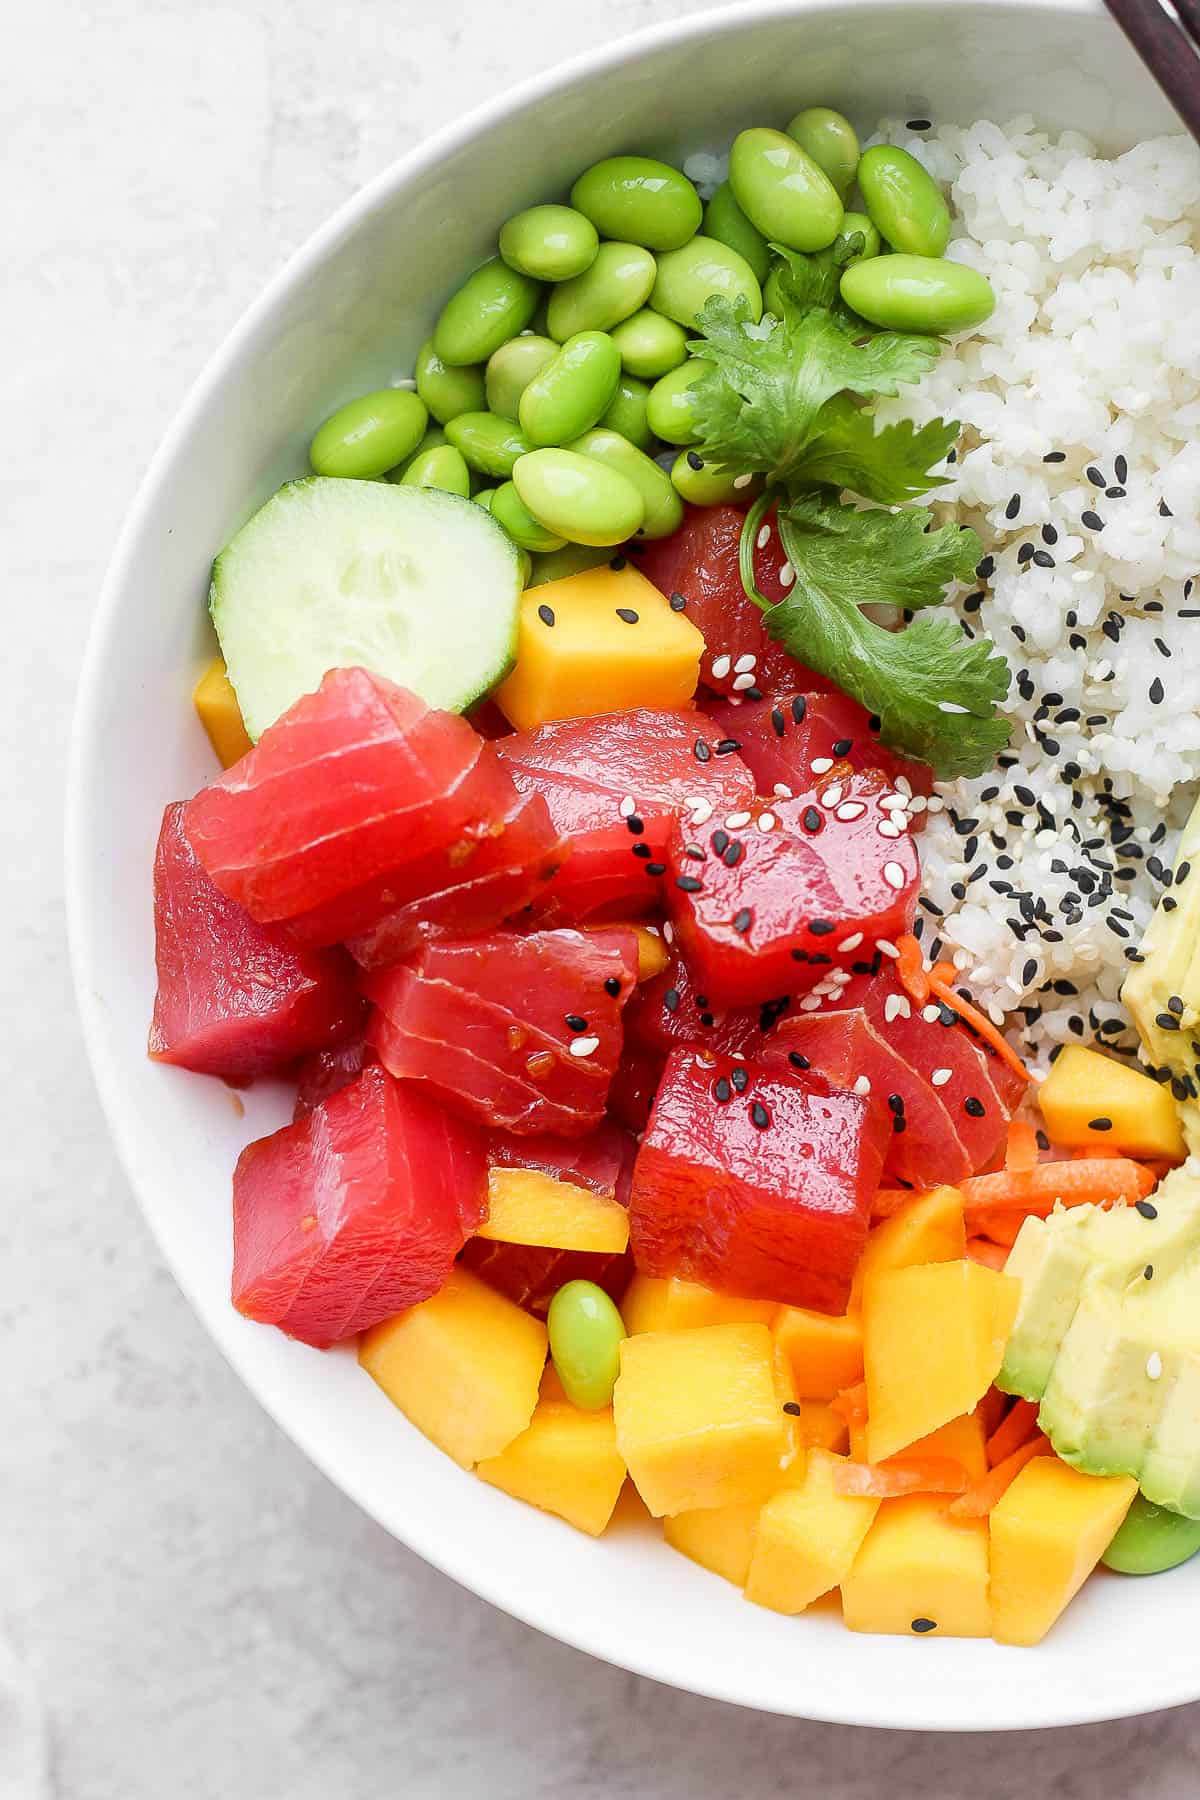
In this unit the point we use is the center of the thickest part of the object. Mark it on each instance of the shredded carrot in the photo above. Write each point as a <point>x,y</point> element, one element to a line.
<point>991,1409</point>
<point>1019,1423</point>
<point>997,1228</point>
<point>888,1480</point>
<point>1103,1181</point>
<point>1021,1153</point>
<point>941,985</point>
<point>985,1494</point>
<point>982,1250</point>
<point>910,967</point>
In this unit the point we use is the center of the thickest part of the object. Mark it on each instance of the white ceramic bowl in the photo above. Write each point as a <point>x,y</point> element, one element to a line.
<point>346,314</point>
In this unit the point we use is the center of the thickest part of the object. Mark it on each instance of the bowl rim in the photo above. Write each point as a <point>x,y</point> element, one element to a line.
<point>439,1549</point>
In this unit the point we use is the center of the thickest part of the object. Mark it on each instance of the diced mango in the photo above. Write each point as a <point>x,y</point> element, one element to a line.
<point>962,1440</point>
<point>699,1421</point>
<point>598,642</point>
<point>652,951</point>
<point>464,1367</point>
<point>928,1229</point>
<point>806,1539</point>
<point>819,1427</point>
<point>933,1342</point>
<point>654,1304</point>
<point>527,1207</point>
<point>1048,1533</point>
<point>825,1350</point>
<point>221,716</point>
<point>920,1573</point>
<point>719,1538</point>
<point>1084,1085</point>
<point>566,1462</point>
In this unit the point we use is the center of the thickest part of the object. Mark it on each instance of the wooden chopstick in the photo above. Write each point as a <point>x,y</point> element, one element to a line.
<point>1169,45</point>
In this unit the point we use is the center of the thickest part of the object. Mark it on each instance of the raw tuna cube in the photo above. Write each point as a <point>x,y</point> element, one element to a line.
<point>768,903</point>
<point>460,889</point>
<point>326,1072</point>
<point>755,1182</point>
<point>671,1010</point>
<point>353,782</point>
<point>601,1161</point>
<point>634,1085</point>
<point>781,740</point>
<point>355,1212</point>
<point>700,562</point>
<point>614,784</point>
<point>235,998</point>
<point>520,1032</point>
<point>532,1276</point>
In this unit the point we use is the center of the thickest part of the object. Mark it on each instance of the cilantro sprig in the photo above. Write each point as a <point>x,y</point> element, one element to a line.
<point>787,399</point>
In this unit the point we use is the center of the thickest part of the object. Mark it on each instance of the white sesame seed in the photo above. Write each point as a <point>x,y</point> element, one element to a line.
<point>862,1086</point>
<point>721,666</point>
<point>744,663</point>
<point>702,811</point>
<point>832,795</point>
<point>782,790</point>
<point>931,1014</point>
<point>887,948</point>
<point>735,821</point>
<point>940,1077</point>
<point>893,874</point>
<point>742,682</point>
<point>742,481</point>
<point>851,809</point>
<point>917,804</point>
<point>1081,575</point>
<point>1154,1365</point>
<point>850,943</point>
<point>786,574</point>
<point>583,1046</point>
<point>996,1014</point>
<point>668,933</point>
<point>886,829</point>
<point>950,706</point>
<point>654,930</point>
<point>896,1006</point>
<point>763,538</point>
<point>890,802</point>
<point>407,382</point>
<point>822,765</point>
<point>904,785</point>
<point>767,821</point>
<point>627,807</point>
<point>810,1003</point>
<point>935,804</point>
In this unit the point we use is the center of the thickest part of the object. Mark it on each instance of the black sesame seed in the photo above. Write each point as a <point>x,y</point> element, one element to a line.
<point>634,824</point>
<point>1092,520</point>
<point>612,985</point>
<point>688,884</point>
<point>793,1409</point>
<point>1050,536</point>
<point>778,722</point>
<point>694,460</point>
<point>722,1090</point>
<point>974,1107</point>
<point>1101,1124</point>
<point>799,708</point>
<point>742,920</point>
<point>1166,1021</point>
<point>617,562</point>
<point>1157,692</point>
<point>1164,510</point>
<point>733,855</point>
<point>656,868</point>
<point>1013,507</point>
<point>896,1103</point>
<point>820,927</point>
<point>642,850</point>
<point>985,568</point>
<point>919,124</point>
<point>575,1022</point>
<point>740,1079</point>
<point>759,1115</point>
<point>1148,1272</point>
<point>1055,456</point>
<point>843,747</point>
<point>727,746</point>
<point>701,751</point>
<point>797,1061</point>
<point>1175,1005</point>
<point>1094,476</point>
<point>677,603</point>
<point>719,840</point>
<point>693,852</point>
<point>627,615</point>
<point>1114,493</point>
<point>924,1625</point>
<point>811,819</point>
<point>546,615</point>
<point>1043,559</point>
<point>1147,1209</point>
<point>1024,555</point>
<point>1120,468</point>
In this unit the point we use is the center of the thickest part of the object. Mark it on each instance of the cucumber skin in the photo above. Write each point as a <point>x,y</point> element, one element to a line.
<point>304,481</point>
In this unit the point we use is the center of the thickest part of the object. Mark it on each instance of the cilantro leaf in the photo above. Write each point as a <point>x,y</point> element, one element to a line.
<point>844,559</point>
<point>758,407</point>
<point>891,465</point>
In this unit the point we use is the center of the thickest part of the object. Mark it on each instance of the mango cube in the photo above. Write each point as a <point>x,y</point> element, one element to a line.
<point>920,1573</point>
<point>806,1539</point>
<point>933,1341</point>
<point>699,1422</point>
<point>1083,1085</point>
<point>962,1440</point>
<point>825,1350</point>
<point>719,1538</point>
<point>526,1206</point>
<point>928,1229</point>
<point>598,642</point>
<point>219,713</point>
<point>654,1304</point>
<point>566,1462</point>
<point>819,1427</point>
<point>1048,1533</point>
<point>464,1367</point>
<point>652,951</point>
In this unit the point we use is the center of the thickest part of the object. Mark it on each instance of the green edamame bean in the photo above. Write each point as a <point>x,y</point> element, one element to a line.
<point>708,485</point>
<point>650,345</point>
<point>640,201</point>
<point>904,201</point>
<point>670,410</point>
<point>578,499</point>
<point>783,191</point>
<point>509,510</point>
<point>627,413</point>
<point>525,563</point>
<point>572,391</point>
<point>511,368</point>
<point>663,509</point>
<point>689,277</point>
<point>1151,1539</point>
<point>370,435</point>
<point>489,444</point>
<point>432,438</point>
<point>572,559</point>
<point>447,391</point>
<point>442,467</point>
<point>854,222</point>
<point>725,221</point>
<point>484,497</point>
<point>917,293</point>
<point>551,243</point>
<point>492,305</point>
<point>585,1331</point>
<point>832,142</point>
<point>617,283</point>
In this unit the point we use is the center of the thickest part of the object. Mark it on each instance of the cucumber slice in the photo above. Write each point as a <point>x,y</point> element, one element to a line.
<point>409,582</point>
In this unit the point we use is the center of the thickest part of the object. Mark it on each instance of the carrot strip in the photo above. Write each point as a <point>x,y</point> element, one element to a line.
<point>1021,1152</point>
<point>910,967</point>
<point>992,1256</point>
<point>941,985</point>
<point>888,1480</point>
<point>996,1227</point>
<point>984,1495</point>
<point>991,1409</point>
<point>1017,1425</point>
<point>1104,1181</point>
<point>851,1404</point>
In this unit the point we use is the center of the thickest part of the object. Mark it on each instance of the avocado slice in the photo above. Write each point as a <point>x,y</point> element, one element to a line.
<point>1162,994</point>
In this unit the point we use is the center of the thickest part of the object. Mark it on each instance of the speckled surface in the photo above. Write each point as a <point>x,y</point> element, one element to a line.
<point>186,1608</point>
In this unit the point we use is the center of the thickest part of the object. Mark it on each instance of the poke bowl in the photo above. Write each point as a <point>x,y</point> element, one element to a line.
<point>824,1100</point>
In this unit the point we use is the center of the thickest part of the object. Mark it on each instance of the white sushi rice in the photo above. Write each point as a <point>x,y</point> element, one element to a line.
<point>1040,876</point>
